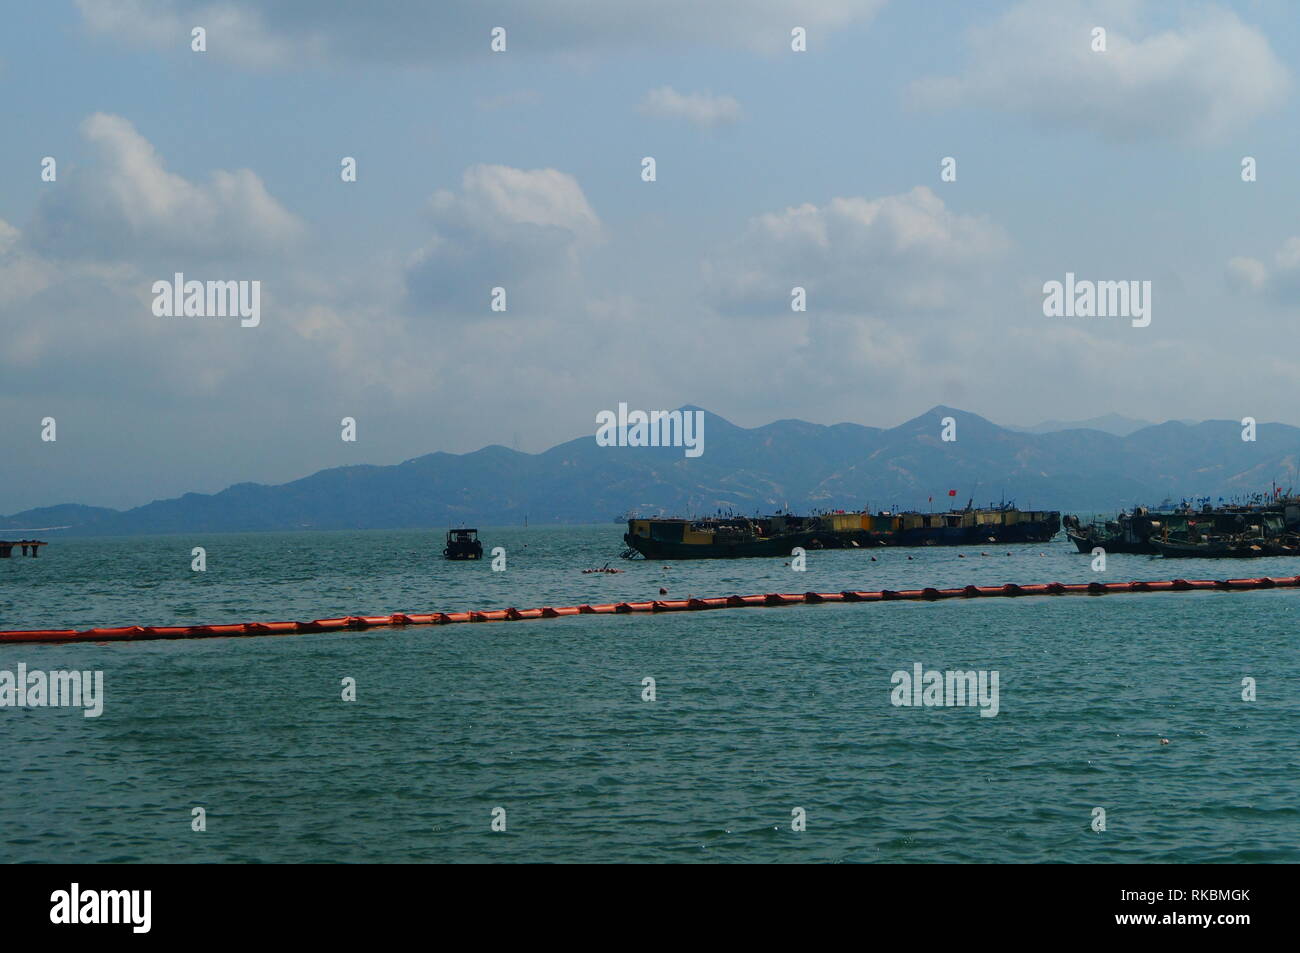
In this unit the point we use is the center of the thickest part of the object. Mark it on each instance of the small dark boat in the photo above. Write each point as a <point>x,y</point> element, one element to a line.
<point>1088,538</point>
<point>463,544</point>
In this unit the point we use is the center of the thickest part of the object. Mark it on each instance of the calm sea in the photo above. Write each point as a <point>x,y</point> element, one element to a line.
<point>758,712</point>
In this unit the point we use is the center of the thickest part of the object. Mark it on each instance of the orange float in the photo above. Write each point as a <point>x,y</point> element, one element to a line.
<point>359,622</point>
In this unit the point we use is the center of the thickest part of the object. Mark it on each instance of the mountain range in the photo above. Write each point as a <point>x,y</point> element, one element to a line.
<point>785,464</point>
<point>1116,424</point>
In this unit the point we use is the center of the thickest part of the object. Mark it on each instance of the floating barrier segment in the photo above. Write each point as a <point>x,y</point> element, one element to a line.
<point>138,633</point>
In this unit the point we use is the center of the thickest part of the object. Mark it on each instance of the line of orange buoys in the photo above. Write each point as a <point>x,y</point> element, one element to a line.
<point>133,633</point>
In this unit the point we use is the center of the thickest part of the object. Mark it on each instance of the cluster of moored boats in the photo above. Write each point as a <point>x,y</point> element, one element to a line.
<point>1266,527</point>
<point>1263,526</point>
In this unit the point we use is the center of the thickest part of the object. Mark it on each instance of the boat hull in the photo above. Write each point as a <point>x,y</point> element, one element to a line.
<point>675,539</point>
<point>1035,532</point>
<point>741,549</point>
<point>1114,544</point>
<point>1183,550</point>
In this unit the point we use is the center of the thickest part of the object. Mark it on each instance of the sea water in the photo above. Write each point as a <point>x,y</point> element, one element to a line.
<point>759,716</point>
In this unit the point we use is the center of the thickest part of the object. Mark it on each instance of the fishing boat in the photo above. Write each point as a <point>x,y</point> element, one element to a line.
<point>1244,546</point>
<point>728,538</point>
<point>1126,533</point>
<point>463,544</point>
<point>1134,532</point>
<point>1209,548</point>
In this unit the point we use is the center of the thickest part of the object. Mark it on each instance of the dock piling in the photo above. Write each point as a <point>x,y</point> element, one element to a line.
<point>29,547</point>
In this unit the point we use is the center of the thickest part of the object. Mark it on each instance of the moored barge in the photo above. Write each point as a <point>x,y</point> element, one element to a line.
<point>733,537</point>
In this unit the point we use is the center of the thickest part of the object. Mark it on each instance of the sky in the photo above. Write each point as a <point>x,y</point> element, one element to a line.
<point>522,169</point>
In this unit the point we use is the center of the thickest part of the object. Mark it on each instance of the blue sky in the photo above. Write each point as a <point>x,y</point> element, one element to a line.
<point>522,169</point>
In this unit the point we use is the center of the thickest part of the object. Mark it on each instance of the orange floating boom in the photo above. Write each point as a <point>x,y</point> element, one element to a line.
<point>136,633</point>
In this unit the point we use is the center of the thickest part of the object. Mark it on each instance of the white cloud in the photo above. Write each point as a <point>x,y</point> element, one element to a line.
<point>259,34</point>
<point>337,337</point>
<point>702,109</point>
<point>1198,82</point>
<point>75,286</point>
<point>235,31</point>
<point>129,204</point>
<point>905,252</point>
<point>1288,256</point>
<point>1280,277</point>
<point>497,198</point>
<point>514,228</point>
<point>1247,273</point>
<point>891,283</point>
<point>8,236</point>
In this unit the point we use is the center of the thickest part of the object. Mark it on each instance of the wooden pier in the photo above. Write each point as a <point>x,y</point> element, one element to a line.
<point>29,547</point>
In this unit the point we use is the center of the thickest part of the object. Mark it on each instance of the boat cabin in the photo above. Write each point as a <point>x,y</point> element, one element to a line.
<point>463,544</point>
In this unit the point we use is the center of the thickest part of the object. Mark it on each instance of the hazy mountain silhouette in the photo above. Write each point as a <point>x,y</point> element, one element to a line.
<point>1116,424</point>
<point>786,463</point>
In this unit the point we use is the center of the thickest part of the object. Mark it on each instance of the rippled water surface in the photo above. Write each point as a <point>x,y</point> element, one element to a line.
<point>758,711</point>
